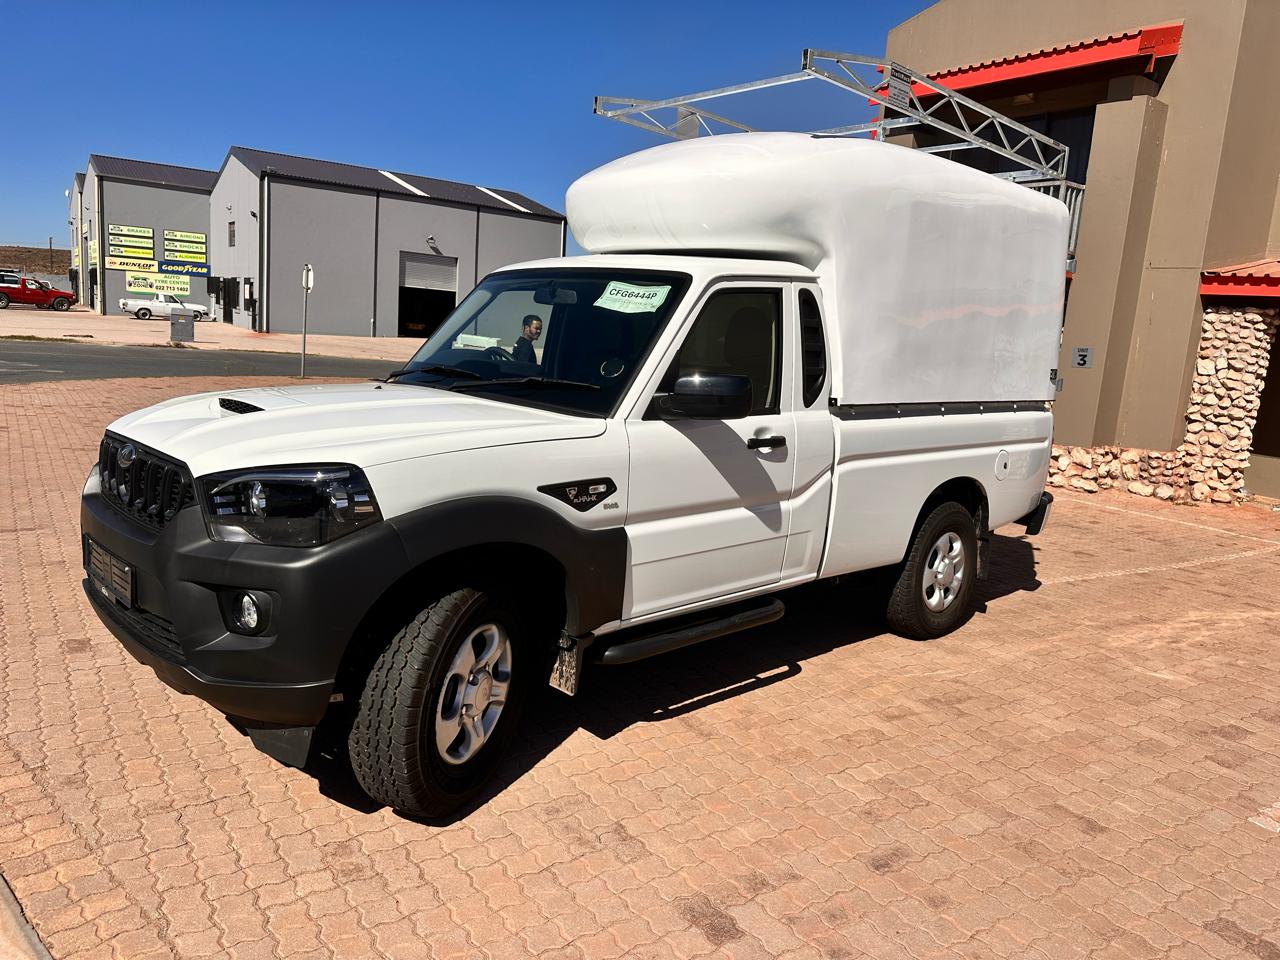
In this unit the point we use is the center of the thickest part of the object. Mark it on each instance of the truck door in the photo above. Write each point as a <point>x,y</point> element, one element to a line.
<point>813,449</point>
<point>708,515</point>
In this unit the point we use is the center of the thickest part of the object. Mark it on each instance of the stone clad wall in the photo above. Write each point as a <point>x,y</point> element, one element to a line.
<point>1231,368</point>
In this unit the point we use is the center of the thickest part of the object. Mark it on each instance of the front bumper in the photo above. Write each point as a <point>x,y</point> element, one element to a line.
<point>319,596</point>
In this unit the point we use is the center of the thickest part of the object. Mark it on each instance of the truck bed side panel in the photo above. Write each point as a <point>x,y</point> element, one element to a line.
<point>887,468</point>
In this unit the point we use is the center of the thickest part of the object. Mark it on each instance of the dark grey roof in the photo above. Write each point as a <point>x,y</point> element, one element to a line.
<point>368,178</point>
<point>145,171</point>
<point>80,182</point>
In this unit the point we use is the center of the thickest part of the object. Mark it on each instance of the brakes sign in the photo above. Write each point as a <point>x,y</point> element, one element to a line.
<point>628,298</point>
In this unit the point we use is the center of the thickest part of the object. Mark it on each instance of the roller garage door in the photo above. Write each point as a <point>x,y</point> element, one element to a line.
<point>428,291</point>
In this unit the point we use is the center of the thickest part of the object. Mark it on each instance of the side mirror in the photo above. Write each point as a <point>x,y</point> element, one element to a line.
<point>708,396</point>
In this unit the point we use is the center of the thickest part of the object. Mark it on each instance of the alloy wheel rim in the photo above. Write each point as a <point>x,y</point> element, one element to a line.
<point>944,572</point>
<point>473,694</point>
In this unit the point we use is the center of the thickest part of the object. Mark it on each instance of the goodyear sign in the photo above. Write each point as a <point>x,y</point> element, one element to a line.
<point>184,235</point>
<point>137,264</point>
<point>130,231</point>
<point>185,269</point>
<point>157,283</point>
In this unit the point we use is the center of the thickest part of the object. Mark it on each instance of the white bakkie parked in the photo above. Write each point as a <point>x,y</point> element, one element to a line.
<point>161,305</point>
<point>785,358</point>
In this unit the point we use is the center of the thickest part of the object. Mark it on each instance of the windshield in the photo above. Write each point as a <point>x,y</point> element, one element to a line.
<point>568,340</point>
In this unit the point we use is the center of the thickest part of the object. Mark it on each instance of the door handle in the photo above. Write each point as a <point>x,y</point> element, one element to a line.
<point>765,443</point>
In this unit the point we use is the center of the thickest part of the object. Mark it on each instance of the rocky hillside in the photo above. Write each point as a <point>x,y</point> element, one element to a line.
<point>35,259</point>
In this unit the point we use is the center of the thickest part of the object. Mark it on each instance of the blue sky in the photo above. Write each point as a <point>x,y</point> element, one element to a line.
<point>491,93</point>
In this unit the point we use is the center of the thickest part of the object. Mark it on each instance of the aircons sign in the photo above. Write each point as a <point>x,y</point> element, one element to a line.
<point>132,249</point>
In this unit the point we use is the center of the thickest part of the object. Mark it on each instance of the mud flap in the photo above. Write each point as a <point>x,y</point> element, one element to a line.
<point>567,671</point>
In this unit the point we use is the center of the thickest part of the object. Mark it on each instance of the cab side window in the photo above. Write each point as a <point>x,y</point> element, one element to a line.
<point>738,332</point>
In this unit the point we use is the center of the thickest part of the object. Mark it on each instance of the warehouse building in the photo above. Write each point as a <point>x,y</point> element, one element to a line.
<point>391,252</point>
<point>1168,107</point>
<point>137,228</point>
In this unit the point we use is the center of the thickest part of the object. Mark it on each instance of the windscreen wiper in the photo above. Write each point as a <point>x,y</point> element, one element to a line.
<point>540,381</point>
<point>440,368</point>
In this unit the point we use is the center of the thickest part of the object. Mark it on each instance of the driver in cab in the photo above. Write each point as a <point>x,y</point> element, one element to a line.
<point>530,331</point>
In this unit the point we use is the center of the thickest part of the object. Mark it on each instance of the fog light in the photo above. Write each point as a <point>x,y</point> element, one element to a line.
<point>246,614</point>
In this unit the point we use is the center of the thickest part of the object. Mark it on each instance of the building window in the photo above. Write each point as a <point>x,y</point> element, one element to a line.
<point>231,233</point>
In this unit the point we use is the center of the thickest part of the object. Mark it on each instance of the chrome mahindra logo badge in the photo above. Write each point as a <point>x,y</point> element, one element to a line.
<point>128,453</point>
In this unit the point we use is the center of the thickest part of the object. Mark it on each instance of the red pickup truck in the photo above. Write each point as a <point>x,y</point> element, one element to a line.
<point>26,290</point>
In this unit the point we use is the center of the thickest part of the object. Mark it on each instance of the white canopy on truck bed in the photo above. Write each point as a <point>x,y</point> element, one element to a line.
<point>946,282</point>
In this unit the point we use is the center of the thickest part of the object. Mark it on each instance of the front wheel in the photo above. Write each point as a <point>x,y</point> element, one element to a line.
<point>441,702</point>
<point>197,316</point>
<point>61,304</point>
<point>933,594</point>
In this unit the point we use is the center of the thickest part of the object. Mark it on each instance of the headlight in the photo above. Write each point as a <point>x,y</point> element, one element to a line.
<point>288,506</point>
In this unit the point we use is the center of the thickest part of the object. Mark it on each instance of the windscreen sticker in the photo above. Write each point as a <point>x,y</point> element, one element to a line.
<point>628,298</point>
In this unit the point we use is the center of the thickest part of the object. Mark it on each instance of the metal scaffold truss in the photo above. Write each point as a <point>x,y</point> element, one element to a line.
<point>909,101</point>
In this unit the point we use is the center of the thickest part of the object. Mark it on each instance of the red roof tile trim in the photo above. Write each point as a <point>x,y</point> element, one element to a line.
<point>1258,278</point>
<point>1148,43</point>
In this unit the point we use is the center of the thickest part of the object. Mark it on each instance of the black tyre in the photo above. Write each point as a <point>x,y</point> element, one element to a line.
<point>143,314</point>
<point>4,300</point>
<point>933,594</point>
<point>61,303</point>
<point>197,316</point>
<point>441,702</point>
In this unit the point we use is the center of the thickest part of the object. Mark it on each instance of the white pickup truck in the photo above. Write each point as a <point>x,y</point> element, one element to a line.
<point>785,358</point>
<point>161,305</point>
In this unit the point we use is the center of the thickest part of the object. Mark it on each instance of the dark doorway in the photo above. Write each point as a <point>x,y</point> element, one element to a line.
<point>230,298</point>
<point>421,311</point>
<point>428,292</point>
<point>1266,431</point>
<point>93,287</point>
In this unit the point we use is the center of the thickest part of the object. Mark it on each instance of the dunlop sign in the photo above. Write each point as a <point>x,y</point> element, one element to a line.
<point>130,231</point>
<point>131,263</point>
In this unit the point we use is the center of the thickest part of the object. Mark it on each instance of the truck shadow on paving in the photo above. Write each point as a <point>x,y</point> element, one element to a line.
<point>821,617</point>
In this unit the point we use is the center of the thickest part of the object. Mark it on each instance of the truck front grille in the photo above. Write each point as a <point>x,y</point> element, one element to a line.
<point>141,483</point>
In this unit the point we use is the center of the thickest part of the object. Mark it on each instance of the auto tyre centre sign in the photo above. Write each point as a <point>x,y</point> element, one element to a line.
<point>132,249</point>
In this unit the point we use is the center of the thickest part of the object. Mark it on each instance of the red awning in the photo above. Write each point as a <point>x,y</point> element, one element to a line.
<point>1259,278</point>
<point>1144,47</point>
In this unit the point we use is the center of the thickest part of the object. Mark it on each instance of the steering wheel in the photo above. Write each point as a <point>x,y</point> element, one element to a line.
<point>499,354</point>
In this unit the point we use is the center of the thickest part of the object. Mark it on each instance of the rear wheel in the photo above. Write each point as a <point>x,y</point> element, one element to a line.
<point>933,594</point>
<point>4,300</point>
<point>441,702</point>
<point>143,314</point>
<point>61,303</point>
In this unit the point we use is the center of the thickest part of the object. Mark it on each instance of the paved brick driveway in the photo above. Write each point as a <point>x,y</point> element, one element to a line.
<point>1082,770</point>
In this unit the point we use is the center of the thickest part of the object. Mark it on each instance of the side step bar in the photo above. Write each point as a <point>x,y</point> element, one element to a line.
<point>650,645</point>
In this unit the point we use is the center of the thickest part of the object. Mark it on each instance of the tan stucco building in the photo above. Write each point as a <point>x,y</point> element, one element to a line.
<point>1170,108</point>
